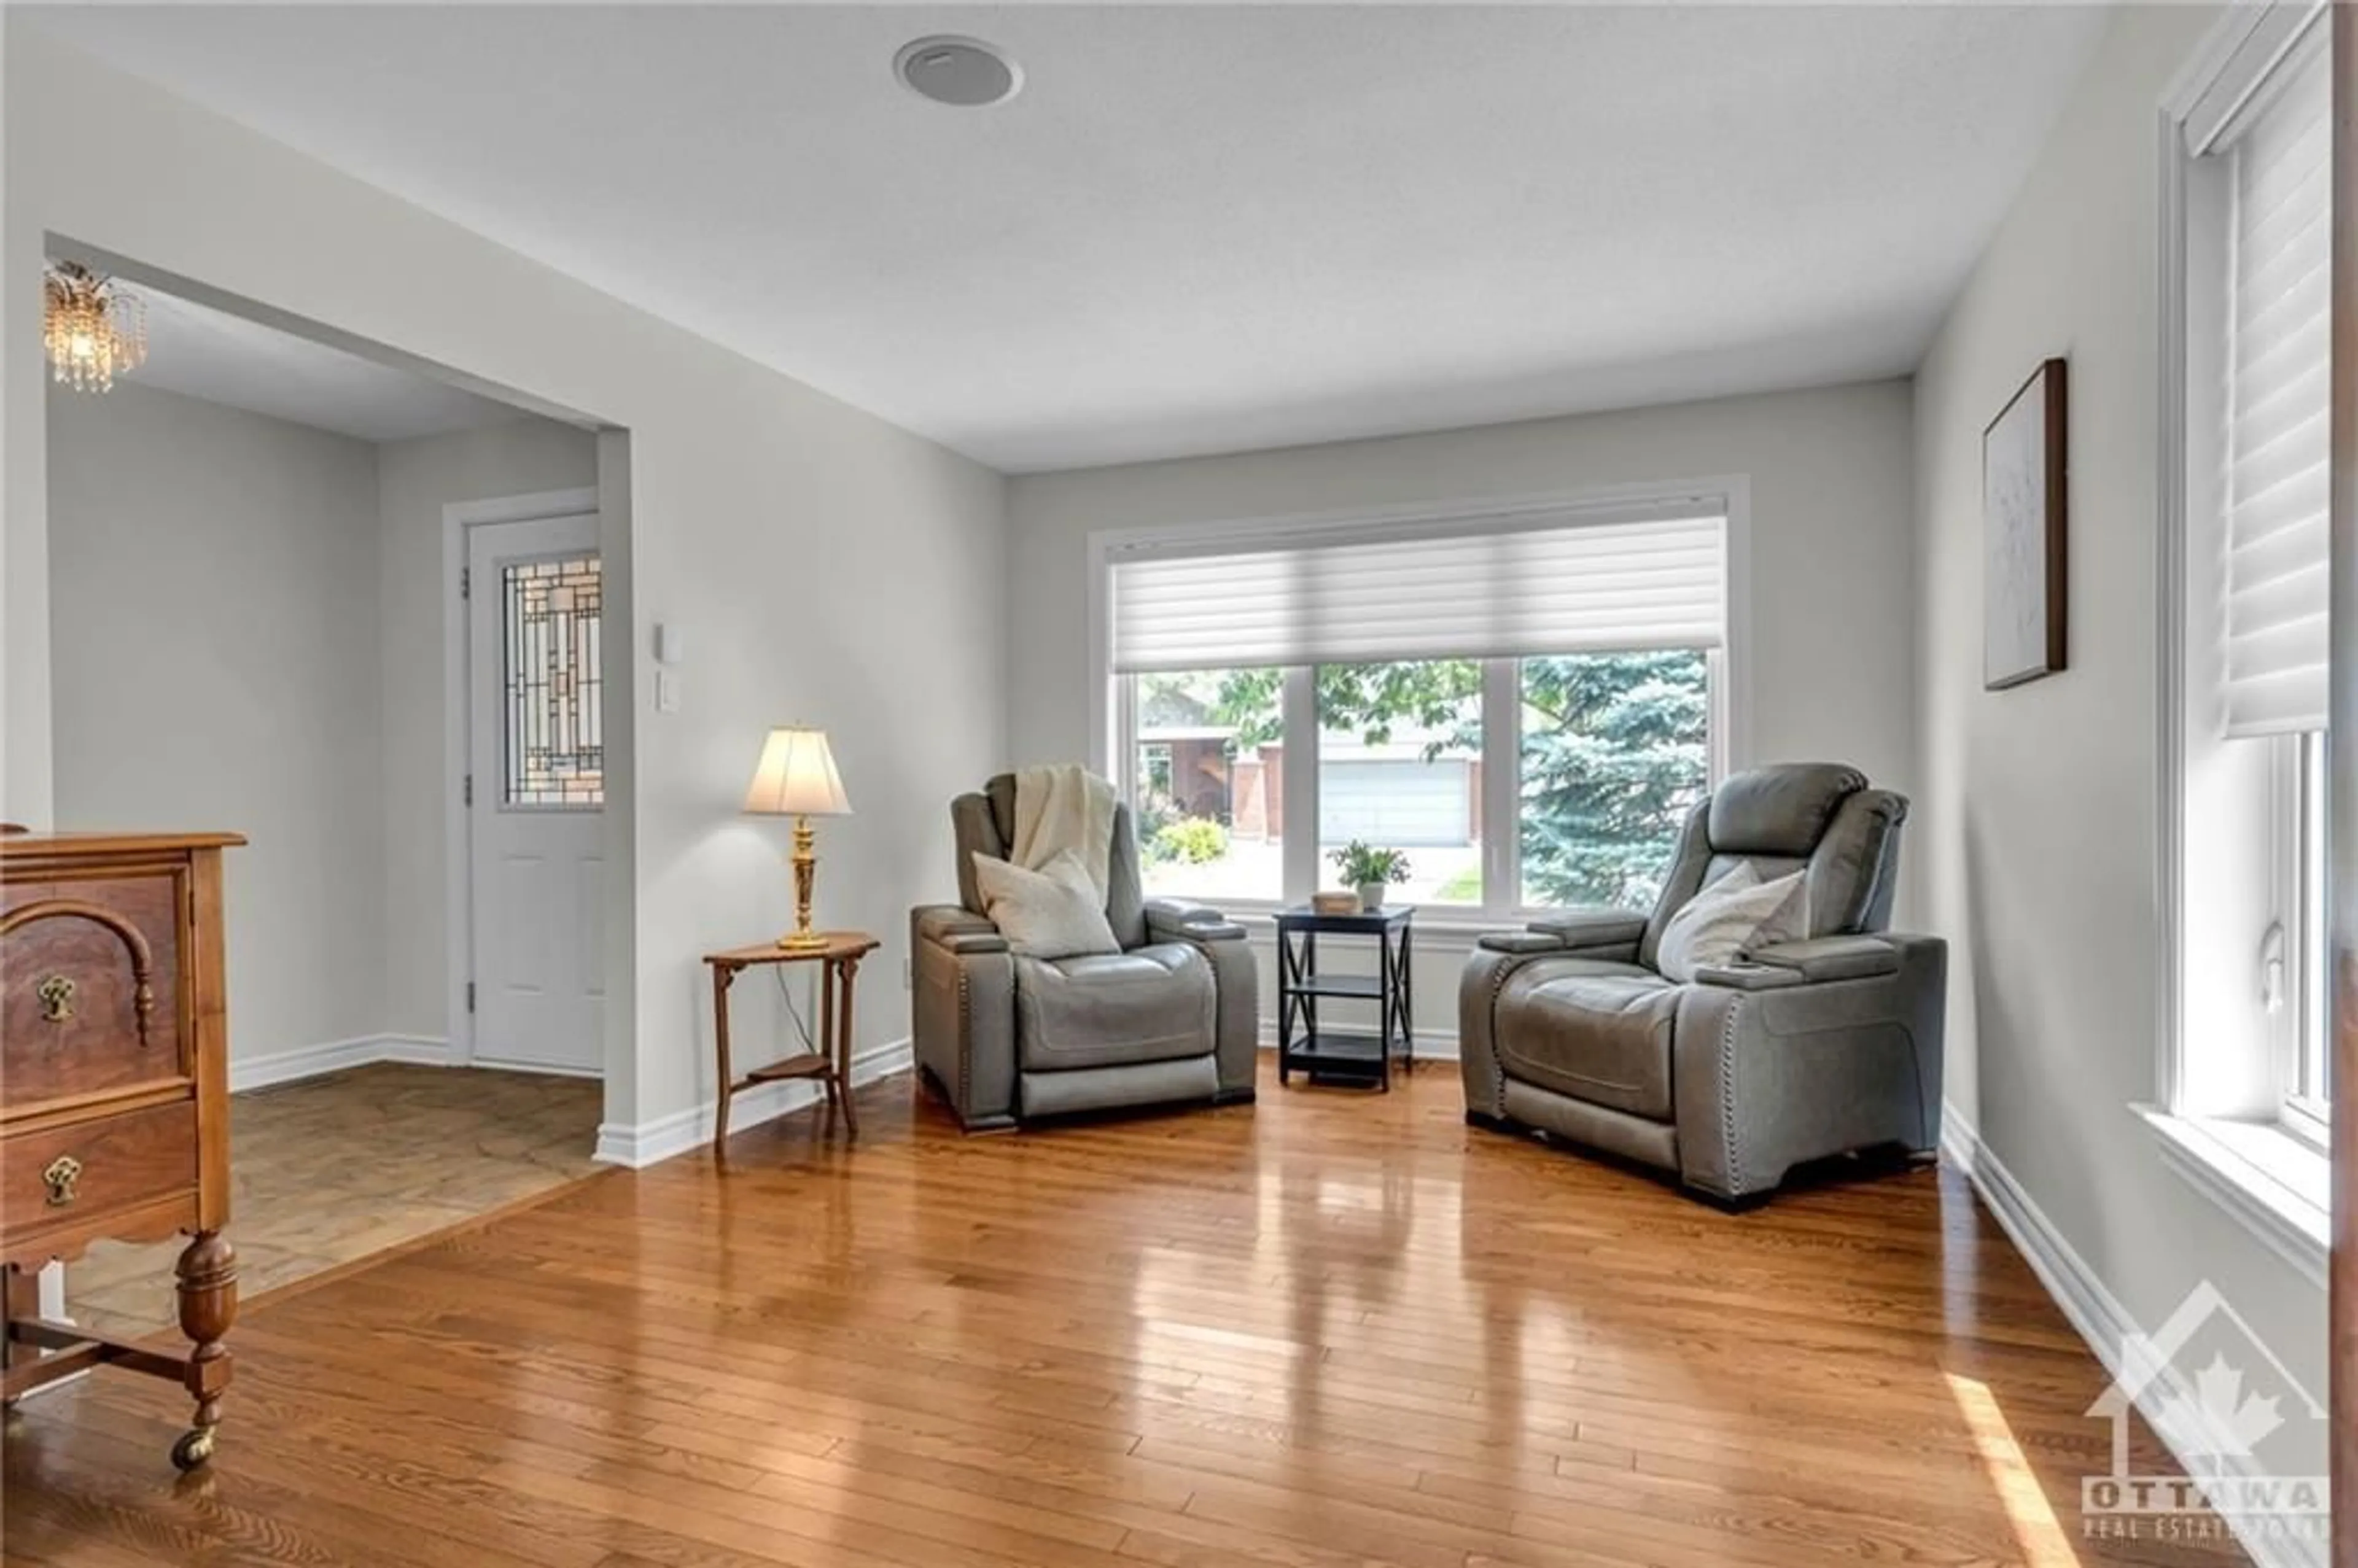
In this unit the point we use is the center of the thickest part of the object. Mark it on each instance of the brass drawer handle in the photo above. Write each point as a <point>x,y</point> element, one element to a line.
<point>57,994</point>
<point>57,1006</point>
<point>59,1177</point>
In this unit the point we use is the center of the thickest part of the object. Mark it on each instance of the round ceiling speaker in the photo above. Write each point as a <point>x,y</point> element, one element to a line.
<point>965,74</point>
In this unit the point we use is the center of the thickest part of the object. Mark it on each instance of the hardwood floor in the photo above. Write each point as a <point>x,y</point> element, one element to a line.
<point>346,1165</point>
<point>1333,1329</point>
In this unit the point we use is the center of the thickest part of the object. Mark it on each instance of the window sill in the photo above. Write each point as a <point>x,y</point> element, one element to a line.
<point>2275,1185</point>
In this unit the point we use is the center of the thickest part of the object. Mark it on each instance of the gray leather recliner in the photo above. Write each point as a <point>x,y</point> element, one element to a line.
<point>1174,1017</point>
<point>1809,1048</point>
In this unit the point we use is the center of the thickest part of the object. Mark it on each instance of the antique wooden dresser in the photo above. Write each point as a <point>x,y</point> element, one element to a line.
<point>114,1093</point>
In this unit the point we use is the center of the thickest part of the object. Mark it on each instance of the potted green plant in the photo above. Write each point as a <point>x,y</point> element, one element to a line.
<point>1370,870</point>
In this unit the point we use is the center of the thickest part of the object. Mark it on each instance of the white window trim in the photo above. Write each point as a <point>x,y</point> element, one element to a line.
<point>2302,1114</point>
<point>2270,1182</point>
<point>1728,495</point>
<point>2269,1177</point>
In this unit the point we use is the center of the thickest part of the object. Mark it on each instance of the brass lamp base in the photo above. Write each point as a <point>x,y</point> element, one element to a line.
<point>802,938</point>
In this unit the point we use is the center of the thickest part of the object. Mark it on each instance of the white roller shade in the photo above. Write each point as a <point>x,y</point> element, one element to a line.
<point>2278,407</point>
<point>1552,587</point>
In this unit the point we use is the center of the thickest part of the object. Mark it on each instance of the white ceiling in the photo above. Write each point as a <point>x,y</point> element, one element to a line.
<point>198,351</point>
<point>1200,228</point>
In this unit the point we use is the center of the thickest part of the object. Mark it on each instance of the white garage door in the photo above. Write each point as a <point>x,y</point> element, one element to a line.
<point>1396,804</point>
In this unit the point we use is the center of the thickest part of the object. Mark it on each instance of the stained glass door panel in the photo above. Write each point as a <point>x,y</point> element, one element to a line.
<point>550,621</point>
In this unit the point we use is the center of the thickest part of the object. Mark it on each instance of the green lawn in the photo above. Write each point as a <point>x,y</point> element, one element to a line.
<point>1465,887</point>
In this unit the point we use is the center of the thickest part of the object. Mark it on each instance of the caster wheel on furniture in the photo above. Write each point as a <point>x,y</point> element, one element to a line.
<point>194,1448</point>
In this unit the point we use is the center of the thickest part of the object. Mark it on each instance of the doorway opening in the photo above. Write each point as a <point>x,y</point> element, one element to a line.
<point>253,608</point>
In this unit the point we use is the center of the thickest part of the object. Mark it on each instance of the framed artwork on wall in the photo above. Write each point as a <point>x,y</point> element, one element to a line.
<point>2024,593</point>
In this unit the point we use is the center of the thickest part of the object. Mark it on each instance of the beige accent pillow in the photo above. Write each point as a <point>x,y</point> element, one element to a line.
<point>1052,913</point>
<point>1737,912</point>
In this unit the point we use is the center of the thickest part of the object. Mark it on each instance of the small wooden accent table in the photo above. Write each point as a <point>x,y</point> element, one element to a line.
<point>839,964</point>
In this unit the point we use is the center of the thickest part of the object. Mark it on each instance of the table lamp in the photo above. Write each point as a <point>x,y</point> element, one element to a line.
<point>796,778</point>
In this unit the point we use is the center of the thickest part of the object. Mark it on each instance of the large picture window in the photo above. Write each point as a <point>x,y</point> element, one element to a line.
<point>1527,706</point>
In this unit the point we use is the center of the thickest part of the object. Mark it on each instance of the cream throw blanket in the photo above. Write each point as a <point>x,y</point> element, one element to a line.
<point>1061,808</point>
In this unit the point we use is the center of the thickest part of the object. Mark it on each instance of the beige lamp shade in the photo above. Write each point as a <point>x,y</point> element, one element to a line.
<point>796,777</point>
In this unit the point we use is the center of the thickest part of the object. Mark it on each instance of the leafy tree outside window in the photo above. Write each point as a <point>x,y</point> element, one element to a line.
<point>1616,752</point>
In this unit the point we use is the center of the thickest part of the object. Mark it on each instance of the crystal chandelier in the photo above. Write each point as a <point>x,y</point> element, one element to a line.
<point>92,328</point>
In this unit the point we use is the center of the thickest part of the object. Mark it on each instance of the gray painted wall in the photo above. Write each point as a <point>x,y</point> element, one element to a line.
<point>2035,843</point>
<point>213,612</point>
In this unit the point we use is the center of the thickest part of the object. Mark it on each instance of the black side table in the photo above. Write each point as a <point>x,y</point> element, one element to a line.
<point>1328,1057</point>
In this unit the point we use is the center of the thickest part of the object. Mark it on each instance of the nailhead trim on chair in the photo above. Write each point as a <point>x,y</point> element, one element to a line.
<point>966,1048</point>
<point>1498,1068</point>
<point>1727,1120</point>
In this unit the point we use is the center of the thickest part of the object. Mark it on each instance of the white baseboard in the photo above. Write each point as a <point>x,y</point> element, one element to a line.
<point>311,1061</point>
<point>651,1141</point>
<point>418,1050</point>
<point>2098,1318</point>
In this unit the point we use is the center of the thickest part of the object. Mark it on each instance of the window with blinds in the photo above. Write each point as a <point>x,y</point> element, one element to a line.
<point>1534,587</point>
<point>2277,395</point>
<point>1526,701</point>
<point>2245,350</point>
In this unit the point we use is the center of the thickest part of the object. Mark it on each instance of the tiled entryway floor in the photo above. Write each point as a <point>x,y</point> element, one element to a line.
<point>346,1165</point>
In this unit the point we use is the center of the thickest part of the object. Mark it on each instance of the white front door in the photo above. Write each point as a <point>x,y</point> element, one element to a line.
<point>535,794</point>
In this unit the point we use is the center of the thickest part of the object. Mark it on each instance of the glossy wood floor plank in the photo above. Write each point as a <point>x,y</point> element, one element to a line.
<point>1332,1331</point>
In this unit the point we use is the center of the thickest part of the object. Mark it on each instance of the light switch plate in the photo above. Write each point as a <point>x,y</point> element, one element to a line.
<point>667,692</point>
